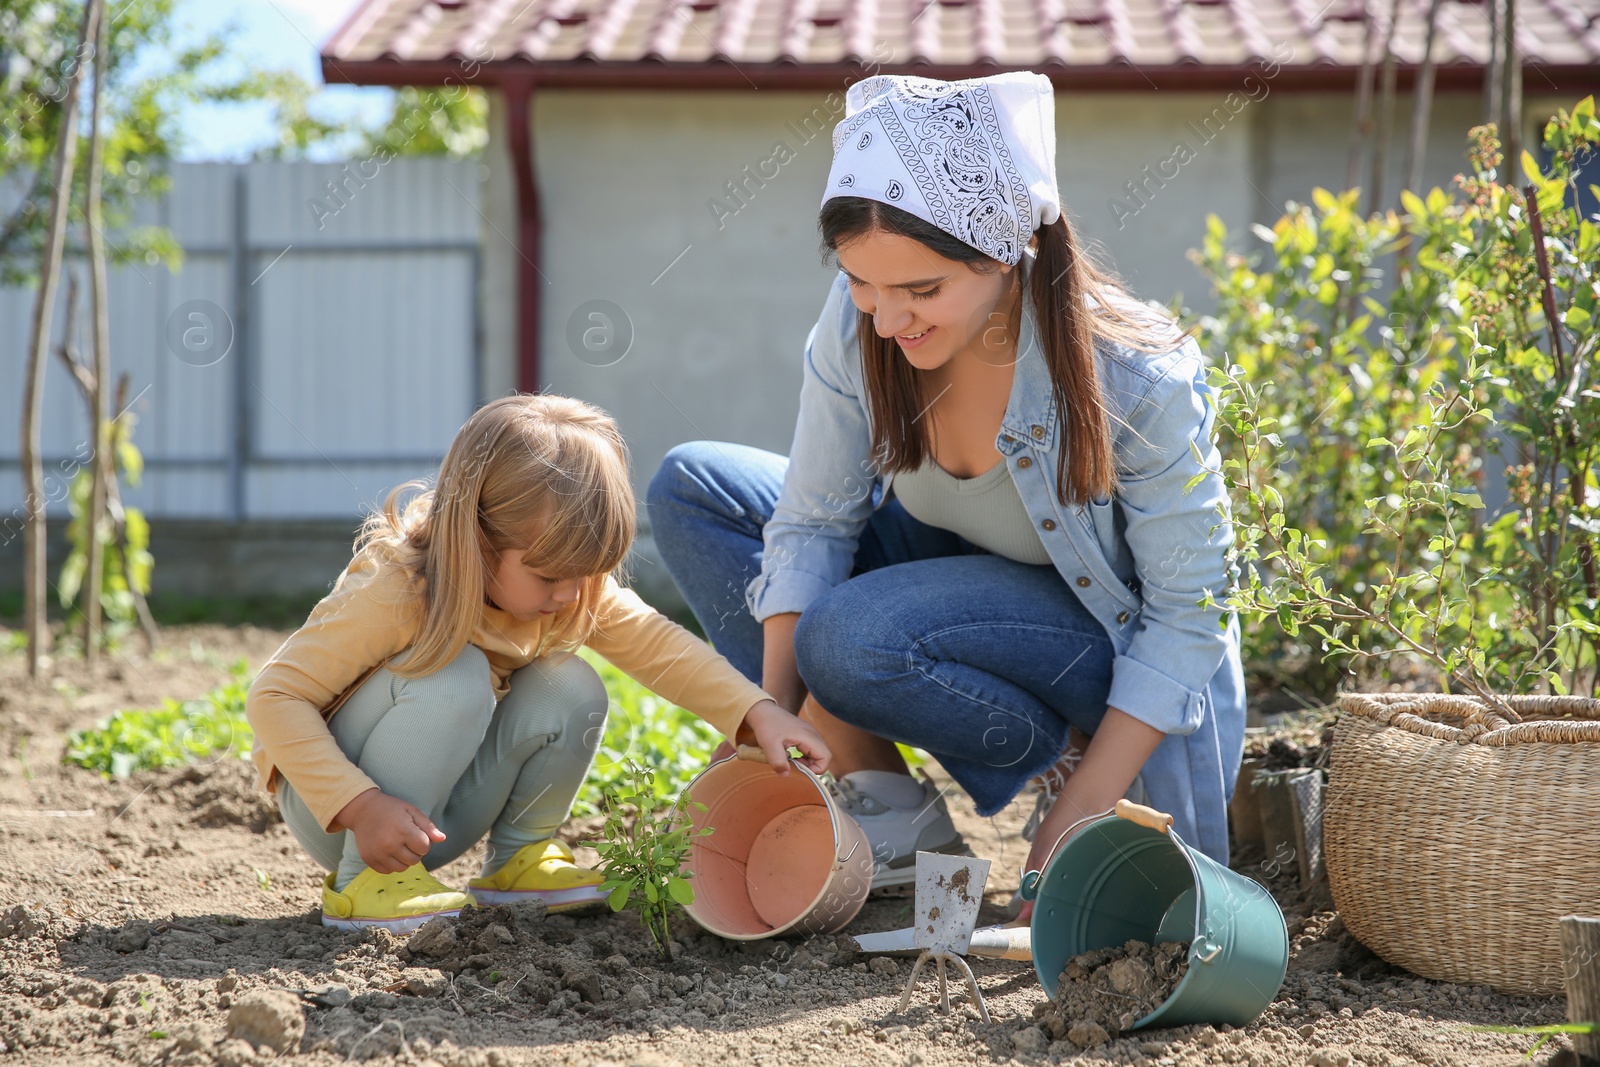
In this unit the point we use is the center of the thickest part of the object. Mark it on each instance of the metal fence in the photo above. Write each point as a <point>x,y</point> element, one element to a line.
<point>321,343</point>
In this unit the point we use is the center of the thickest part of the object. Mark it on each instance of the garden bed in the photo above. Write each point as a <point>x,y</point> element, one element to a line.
<point>135,913</point>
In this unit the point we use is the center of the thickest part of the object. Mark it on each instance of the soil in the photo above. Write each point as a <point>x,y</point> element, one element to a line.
<point>1103,993</point>
<point>169,919</point>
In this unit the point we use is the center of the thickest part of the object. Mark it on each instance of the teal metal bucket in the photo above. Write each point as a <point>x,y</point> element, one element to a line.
<point>1130,878</point>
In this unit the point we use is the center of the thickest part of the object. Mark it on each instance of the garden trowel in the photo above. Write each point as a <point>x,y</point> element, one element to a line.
<point>949,893</point>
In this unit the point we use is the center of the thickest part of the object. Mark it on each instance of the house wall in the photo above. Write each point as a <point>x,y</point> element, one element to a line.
<point>719,300</point>
<point>720,293</point>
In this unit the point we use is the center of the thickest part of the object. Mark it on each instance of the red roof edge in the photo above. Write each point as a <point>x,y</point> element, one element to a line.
<point>1116,77</point>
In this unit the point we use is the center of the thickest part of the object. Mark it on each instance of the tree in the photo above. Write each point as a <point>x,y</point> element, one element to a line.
<point>39,342</point>
<point>452,121</point>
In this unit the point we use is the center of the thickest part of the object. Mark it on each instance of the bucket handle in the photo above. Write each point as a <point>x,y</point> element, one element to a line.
<point>1148,817</point>
<point>1030,880</point>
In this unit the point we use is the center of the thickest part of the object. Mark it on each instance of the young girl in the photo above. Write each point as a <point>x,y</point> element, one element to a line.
<point>433,696</point>
<point>997,536</point>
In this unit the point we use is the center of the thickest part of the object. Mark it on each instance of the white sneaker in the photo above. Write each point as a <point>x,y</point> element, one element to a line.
<point>898,833</point>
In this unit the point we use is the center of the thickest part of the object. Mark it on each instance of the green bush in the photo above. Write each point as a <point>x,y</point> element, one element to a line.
<point>1356,431</point>
<point>1336,367</point>
<point>168,736</point>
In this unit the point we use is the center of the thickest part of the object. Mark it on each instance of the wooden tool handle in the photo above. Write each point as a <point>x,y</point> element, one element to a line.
<point>752,753</point>
<point>1148,817</point>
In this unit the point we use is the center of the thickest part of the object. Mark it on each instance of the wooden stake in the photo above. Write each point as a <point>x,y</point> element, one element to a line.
<point>95,528</point>
<point>1580,962</point>
<point>1422,106</point>
<point>1380,140</point>
<point>34,577</point>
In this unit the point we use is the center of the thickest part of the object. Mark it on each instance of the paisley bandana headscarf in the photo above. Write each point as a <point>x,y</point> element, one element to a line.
<point>976,158</point>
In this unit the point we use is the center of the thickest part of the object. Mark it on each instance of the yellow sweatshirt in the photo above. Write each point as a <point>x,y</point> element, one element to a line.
<point>375,611</point>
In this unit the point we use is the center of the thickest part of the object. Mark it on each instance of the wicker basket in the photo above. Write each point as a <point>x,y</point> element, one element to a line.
<point>1455,837</point>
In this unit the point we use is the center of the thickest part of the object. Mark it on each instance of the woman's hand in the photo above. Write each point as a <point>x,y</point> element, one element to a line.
<point>774,729</point>
<point>391,835</point>
<point>1112,760</point>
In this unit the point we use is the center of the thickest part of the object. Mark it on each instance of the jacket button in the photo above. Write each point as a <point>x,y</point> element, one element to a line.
<point>1083,581</point>
<point>1038,433</point>
<point>1122,616</point>
<point>1048,524</point>
<point>1024,463</point>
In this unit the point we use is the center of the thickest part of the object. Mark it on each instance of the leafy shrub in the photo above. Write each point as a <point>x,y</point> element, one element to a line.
<point>168,736</point>
<point>1332,368</point>
<point>1488,326</point>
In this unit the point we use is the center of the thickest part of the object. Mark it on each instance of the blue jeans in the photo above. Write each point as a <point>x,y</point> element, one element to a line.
<point>982,661</point>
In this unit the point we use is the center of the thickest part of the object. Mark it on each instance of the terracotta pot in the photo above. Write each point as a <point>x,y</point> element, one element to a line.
<point>782,857</point>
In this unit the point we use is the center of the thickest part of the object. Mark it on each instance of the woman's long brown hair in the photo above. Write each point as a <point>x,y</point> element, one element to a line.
<point>1075,303</point>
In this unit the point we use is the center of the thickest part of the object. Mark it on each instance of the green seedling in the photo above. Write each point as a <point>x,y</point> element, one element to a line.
<point>1544,1033</point>
<point>168,736</point>
<point>263,879</point>
<point>643,862</point>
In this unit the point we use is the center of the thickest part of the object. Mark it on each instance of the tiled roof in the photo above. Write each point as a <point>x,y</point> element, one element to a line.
<point>1051,36</point>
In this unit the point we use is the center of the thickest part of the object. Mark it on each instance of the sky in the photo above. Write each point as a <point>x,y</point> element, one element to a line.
<point>272,34</point>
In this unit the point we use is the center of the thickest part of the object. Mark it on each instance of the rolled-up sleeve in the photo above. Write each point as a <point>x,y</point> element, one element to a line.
<point>1179,535</point>
<point>810,540</point>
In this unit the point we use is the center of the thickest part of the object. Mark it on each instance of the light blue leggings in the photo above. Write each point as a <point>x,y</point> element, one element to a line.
<point>441,742</point>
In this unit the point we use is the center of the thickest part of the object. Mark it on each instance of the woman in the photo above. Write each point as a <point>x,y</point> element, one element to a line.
<point>998,534</point>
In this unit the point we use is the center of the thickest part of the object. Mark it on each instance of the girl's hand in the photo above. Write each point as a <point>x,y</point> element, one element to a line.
<point>391,835</point>
<point>775,730</point>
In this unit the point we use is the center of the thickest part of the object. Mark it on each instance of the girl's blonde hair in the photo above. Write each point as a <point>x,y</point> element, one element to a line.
<point>548,474</point>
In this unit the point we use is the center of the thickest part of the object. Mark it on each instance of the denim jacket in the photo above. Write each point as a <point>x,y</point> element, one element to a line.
<point>1141,562</point>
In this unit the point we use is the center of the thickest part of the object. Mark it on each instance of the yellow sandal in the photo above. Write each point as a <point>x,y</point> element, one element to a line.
<point>396,902</point>
<point>544,870</point>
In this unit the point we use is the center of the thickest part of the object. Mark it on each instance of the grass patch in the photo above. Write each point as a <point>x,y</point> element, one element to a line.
<point>274,612</point>
<point>171,735</point>
<point>656,733</point>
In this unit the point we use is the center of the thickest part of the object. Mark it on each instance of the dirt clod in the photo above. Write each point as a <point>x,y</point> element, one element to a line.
<point>21,923</point>
<point>134,935</point>
<point>1030,1039</point>
<point>436,938</point>
<point>1087,1034</point>
<point>584,980</point>
<point>269,1017</point>
<point>1104,992</point>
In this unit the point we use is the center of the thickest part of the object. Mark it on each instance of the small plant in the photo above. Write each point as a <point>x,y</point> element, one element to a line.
<point>1544,1033</point>
<point>169,736</point>
<point>643,859</point>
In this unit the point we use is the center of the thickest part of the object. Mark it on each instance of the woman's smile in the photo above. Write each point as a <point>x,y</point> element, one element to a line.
<point>913,340</point>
